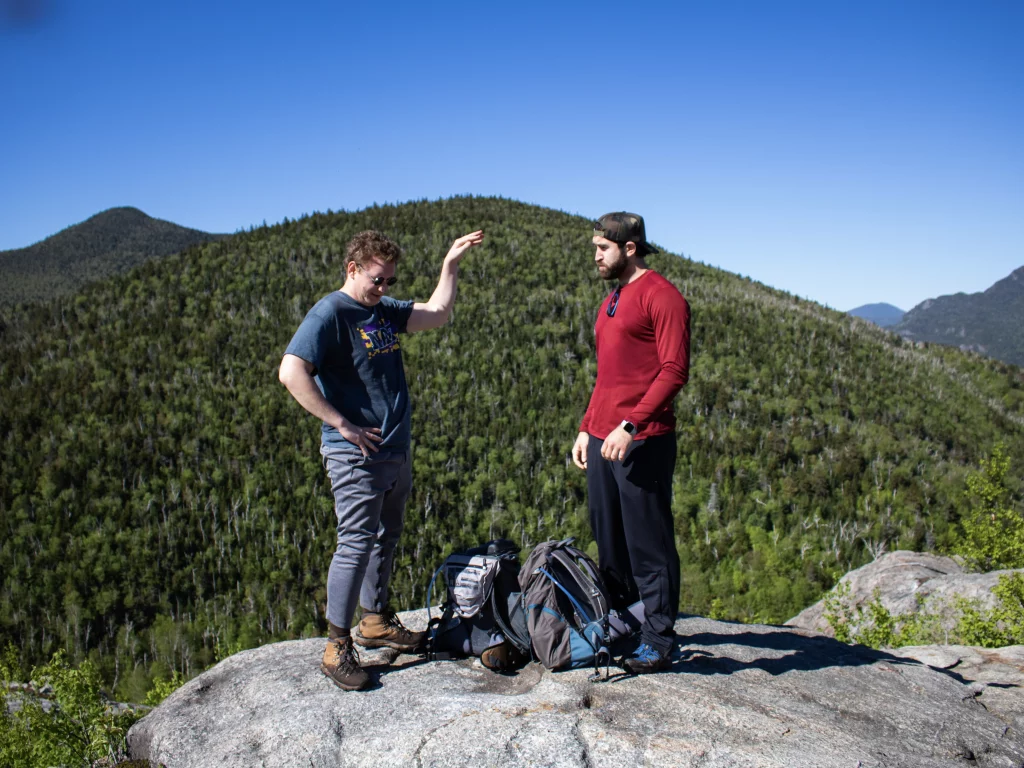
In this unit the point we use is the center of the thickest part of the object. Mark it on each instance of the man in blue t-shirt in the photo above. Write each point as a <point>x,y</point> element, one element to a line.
<point>344,366</point>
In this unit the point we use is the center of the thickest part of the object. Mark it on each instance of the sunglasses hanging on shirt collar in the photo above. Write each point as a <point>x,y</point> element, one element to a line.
<point>614,302</point>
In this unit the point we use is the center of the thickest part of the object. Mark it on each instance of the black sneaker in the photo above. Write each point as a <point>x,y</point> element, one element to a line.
<point>646,659</point>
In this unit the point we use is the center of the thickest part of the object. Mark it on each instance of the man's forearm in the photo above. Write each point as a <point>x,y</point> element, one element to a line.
<point>435,312</point>
<point>585,424</point>
<point>443,297</point>
<point>660,394</point>
<point>308,395</point>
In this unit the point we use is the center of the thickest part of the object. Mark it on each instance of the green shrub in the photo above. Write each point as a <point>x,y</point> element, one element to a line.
<point>869,624</point>
<point>1010,592</point>
<point>993,530</point>
<point>839,612</point>
<point>961,622</point>
<point>80,729</point>
<point>163,688</point>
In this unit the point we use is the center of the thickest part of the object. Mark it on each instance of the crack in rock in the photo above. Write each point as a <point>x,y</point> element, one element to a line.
<point>426,738</point>
<point>584,747</point>
<point>510,747</point>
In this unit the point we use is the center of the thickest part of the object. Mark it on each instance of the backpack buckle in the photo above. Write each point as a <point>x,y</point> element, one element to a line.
<point>601,657</point>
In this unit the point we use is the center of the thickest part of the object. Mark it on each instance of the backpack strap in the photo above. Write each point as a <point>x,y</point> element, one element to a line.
<point>588,581</point>
<point>603,656</point>
<point>508,628</point>
<point>430,589</point>
<point>575,559</point>
<point>568,594</point>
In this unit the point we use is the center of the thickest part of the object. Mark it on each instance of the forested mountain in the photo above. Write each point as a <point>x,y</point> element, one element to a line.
<point>990,322</point>
<point>162,497</point>
<point>107,244</point>
<point>879,314</point>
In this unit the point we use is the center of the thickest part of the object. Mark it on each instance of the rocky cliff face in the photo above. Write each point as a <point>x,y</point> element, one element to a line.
<point>735,695</point>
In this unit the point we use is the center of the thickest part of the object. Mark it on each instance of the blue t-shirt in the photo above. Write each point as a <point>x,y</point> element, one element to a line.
<point>357,363</point>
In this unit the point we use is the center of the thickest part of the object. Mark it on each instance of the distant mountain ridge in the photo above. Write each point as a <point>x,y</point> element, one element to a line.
<point>883,315</point>
<point>109,243</point>
<point>990,323</point>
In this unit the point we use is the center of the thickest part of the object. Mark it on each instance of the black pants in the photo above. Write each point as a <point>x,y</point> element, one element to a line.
<point>631,517</point>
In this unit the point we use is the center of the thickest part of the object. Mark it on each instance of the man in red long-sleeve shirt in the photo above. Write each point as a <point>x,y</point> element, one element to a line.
<point>627,442</point>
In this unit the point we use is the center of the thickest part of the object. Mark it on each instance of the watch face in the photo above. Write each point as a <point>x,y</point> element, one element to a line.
<point>629,427</point>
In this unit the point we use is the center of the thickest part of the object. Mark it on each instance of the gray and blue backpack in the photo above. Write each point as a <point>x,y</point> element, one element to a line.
<point>568,613</point>
<point>555,609</point>
<point>482,609</point>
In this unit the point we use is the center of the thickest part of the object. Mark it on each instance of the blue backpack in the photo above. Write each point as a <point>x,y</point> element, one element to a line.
<point>568,613</point>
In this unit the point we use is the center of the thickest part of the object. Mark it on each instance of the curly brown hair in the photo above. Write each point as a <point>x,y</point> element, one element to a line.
<point>369,245</point>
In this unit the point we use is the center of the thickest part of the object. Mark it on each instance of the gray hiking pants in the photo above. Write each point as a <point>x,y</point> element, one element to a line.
<point>369,501</point>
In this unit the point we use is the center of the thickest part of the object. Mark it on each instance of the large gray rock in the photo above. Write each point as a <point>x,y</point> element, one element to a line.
<point>902,580</point>
<point>995,674</point>
<point>736,695</point>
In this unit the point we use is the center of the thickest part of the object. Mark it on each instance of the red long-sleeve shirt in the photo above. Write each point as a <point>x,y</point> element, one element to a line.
<point>643,359</point>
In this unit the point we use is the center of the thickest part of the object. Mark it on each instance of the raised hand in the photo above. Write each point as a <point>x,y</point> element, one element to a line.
<point>463,244</point>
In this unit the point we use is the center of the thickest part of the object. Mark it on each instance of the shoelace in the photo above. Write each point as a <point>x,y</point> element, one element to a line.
<point>390,619</point>
<point>350,656</point>
<point>345,654</point>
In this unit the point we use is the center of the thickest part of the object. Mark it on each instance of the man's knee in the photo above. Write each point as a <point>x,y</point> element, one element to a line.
<point>389,535</point>
<point>354,543</point>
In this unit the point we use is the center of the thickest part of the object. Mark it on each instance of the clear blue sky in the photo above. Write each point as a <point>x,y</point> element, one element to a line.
<point>848,152</point>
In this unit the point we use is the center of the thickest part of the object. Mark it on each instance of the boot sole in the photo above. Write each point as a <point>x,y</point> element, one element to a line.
<point>342,685</point>
<point>371,642</point>
<point>494,663</point>
<point>642,668</point>
<point>497,658</point>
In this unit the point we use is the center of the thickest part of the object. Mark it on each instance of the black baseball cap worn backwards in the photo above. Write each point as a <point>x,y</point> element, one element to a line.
<point>622,227</point>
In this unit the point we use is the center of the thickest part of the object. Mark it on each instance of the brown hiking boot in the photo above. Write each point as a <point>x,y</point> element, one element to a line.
<point>384,630</point>
<point>503,657</point>
<point>495,657</point>
<point>341,665</point>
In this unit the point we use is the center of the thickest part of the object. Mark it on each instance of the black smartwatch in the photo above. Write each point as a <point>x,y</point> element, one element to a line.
<point>628,426</point>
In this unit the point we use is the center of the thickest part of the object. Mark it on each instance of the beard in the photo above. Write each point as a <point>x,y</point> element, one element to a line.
<point>614,271</point>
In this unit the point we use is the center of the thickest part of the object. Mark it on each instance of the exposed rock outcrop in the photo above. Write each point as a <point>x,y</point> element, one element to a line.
<point>19,694</point>
<point>995,674</point>
<point>735,695</point>
<point>903,579</point>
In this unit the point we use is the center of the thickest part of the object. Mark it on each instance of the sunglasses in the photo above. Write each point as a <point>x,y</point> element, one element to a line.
<point>378,280</point>
<point>614,302</point>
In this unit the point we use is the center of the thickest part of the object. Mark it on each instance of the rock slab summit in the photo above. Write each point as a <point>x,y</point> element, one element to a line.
<point>736,695</point>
